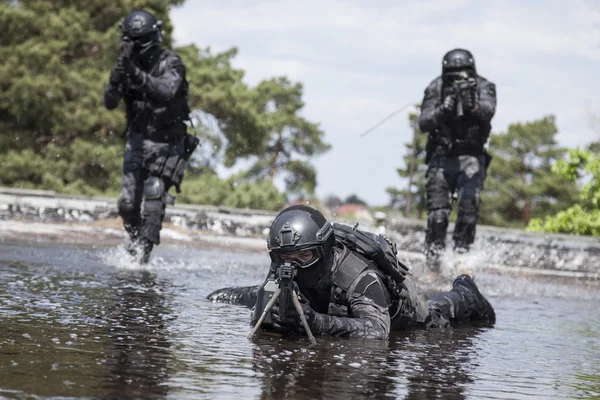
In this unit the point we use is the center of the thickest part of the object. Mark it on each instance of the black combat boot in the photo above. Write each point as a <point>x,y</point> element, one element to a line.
<point>145,246</point>
<point>483,309</point>
<point>460,247</point>
<point>134,235</point>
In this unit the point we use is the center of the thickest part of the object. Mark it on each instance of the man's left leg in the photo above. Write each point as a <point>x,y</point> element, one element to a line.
<point>469,184</point>
<point>160,159</point>
<point>153,213</point>
<point>464,302</point>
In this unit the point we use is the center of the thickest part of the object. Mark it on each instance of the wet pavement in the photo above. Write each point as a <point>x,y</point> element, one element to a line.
<point>83,321</point>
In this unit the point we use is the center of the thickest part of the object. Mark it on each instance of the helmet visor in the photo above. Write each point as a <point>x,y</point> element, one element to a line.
<point>457,74</point>
<point>303,258</point>
<point>143,40</point>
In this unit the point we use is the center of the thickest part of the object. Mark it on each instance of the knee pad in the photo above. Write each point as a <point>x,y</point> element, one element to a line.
<point>125,205</point>
<point>151,228</point>
<point>154,188</point>
<point>439,218</point>
<point>437,224</point>
<point>468,210</point>
<point>127,208</point>
<point>154,208</point>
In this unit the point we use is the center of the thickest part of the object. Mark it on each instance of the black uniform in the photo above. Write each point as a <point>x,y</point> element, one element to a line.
<point>153,87</point>
<point>456,152</point>
<point>352,296</point>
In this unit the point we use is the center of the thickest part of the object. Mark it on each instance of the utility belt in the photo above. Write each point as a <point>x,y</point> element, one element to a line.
<point>448,142</point>
<point>172,134</point>
<point>454,152</point>
<point>172,167</point>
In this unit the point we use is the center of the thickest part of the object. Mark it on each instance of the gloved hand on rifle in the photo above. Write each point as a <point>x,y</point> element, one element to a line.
<point>291,319</point>
<point>136,75</point>
<point>470,100</point>
<point>448,106</point>
<point>117,73</point>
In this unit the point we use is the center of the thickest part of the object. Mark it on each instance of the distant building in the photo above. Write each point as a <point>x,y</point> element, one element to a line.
<point>353,211</point>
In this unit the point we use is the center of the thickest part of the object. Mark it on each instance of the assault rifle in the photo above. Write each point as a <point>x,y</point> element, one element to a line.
<point>462,84</point>
<point>282,288</point>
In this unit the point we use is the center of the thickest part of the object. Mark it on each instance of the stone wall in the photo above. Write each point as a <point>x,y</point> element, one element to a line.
<point>499,246</point>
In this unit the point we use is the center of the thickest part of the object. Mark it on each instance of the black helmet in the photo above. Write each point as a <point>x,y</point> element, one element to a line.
<point>301,235</point>
<point>140,23</point>
<point>143,28</point>
<point>458,60</point>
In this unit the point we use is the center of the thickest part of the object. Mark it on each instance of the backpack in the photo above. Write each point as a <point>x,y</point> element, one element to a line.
<point>377,248</point>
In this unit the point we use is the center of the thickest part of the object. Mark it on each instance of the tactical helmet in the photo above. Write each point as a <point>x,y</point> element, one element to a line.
<point>142,27</point>
<point>458,60</point>
<point>301,235</point>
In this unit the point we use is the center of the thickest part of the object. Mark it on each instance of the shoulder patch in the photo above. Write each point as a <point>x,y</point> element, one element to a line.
<point>372,288</point>
<point>349,270</point>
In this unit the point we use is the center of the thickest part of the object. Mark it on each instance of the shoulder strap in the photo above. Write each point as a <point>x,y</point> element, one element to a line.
<point>350,268</point>
<point>159,66</point>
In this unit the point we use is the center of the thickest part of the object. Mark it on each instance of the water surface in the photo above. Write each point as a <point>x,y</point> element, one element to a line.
<point>83,321</point>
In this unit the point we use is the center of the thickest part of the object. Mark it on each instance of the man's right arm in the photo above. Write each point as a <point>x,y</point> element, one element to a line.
<point>112,92</point>
<point>431,115</point>
<point>112,96</point>
<point>244,295</point>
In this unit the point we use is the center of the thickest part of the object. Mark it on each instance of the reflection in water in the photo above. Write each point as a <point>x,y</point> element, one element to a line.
<point>331,369</point>
<point>440,363</point>
<point>138,348</point>
<point>416,365</point>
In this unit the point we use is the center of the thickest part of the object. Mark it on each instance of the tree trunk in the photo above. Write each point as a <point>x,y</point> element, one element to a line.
<point>411,172</point>
<point>274,159</point>
<point>528,207</point>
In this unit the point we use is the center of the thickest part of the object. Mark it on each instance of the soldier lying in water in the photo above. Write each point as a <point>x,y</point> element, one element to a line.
<point>349,283</point>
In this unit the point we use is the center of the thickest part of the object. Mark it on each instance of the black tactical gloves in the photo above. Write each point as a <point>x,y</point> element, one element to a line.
<point>127,49</point>
<point>291,321</point>
<point>117,74</point>
<point>470,100</point>
<point>137,76</point>
<point>449,105</point>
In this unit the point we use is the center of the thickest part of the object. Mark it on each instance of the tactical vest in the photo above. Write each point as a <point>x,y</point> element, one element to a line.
<point>460,136</point>
<point>158,121</point>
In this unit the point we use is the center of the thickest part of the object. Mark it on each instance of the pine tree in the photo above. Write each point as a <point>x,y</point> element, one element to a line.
<point>291,140</point>
<point>521,184</point>
<point>415,156</point>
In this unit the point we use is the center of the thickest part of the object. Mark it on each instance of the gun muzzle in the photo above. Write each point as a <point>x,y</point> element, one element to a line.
<point>459,108</point>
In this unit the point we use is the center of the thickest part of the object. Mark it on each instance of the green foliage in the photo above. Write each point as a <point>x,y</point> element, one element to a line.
<point>82,167</point>
<point>574,220</point>
<point>416,149</point>
<point>521,184</point>
<point>291,140</point>
<point>231,192</point>
<point>225,108</point>
<point>583,218</point>
<point>261,195</point>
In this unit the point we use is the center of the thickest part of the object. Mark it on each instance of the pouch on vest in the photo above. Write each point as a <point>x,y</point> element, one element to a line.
<point>189,145</point>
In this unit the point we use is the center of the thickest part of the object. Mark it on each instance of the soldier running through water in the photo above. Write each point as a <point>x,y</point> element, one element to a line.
<point>152,83</point>
<point>456,112</point>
